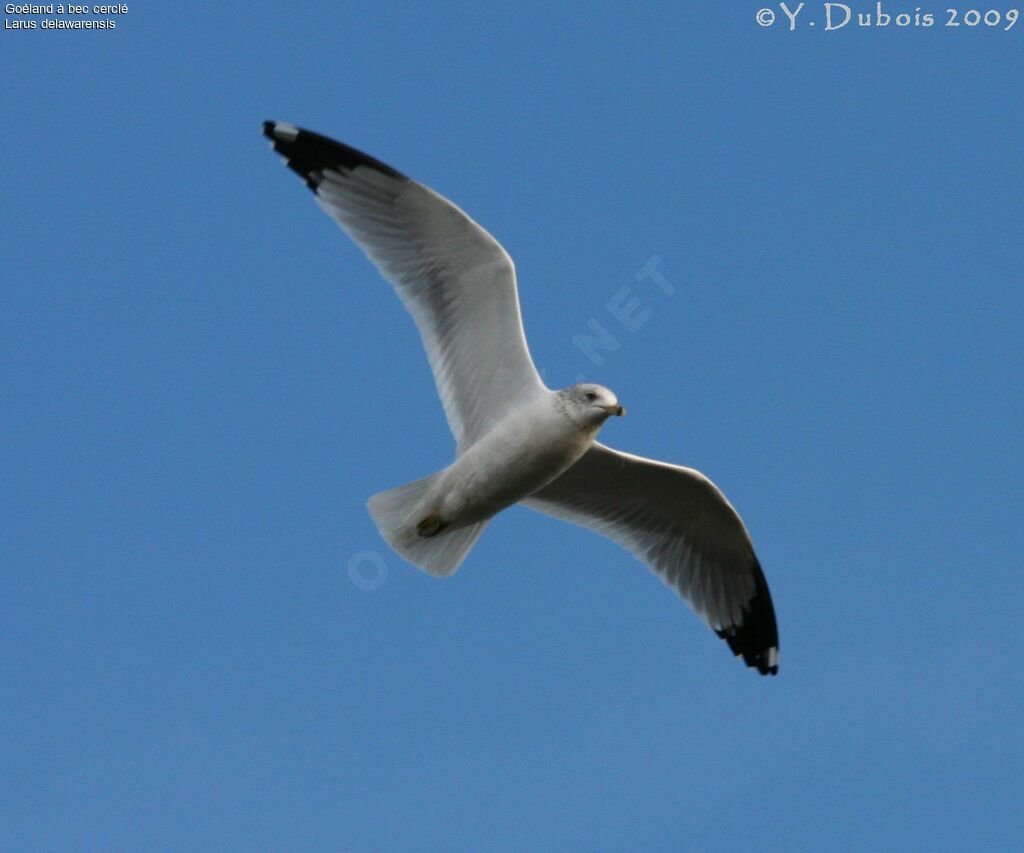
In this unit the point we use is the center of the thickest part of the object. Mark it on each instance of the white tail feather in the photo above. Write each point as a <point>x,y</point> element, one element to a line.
<point>396,513</point>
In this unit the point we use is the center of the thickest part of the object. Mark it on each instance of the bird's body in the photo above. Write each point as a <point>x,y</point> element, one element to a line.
<point>530,447</point>
<point>518,441</point>
<point>521,454</point>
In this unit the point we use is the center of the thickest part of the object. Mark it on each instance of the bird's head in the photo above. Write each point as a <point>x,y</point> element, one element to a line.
<point>591,405</point>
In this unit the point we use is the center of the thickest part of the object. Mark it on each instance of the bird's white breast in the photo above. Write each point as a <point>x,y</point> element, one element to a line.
<point>524,451</point>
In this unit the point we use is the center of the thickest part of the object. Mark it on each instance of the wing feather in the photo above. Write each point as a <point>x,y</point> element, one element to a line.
<point>454,278</point>
<point>679,523</point>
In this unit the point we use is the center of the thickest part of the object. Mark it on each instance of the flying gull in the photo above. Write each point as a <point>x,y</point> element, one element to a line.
<point>517,440</point>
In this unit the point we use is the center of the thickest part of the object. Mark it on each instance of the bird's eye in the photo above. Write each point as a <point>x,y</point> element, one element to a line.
<point>591,396</point>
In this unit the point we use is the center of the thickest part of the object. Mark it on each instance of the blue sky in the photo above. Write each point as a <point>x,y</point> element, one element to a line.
<point>205,645</point>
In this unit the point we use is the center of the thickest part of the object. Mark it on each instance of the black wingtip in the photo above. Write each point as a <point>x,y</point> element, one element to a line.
<point>308,154</point>
<point>757,639</point>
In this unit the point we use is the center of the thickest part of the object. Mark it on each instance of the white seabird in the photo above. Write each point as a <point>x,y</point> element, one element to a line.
<point>518,441</point>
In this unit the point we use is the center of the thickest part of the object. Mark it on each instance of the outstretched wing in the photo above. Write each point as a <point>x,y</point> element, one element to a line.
<point>680,524</point>
<point>455,279</point>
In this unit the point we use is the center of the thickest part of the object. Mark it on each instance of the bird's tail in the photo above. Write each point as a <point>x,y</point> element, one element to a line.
<point>397,513</point>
